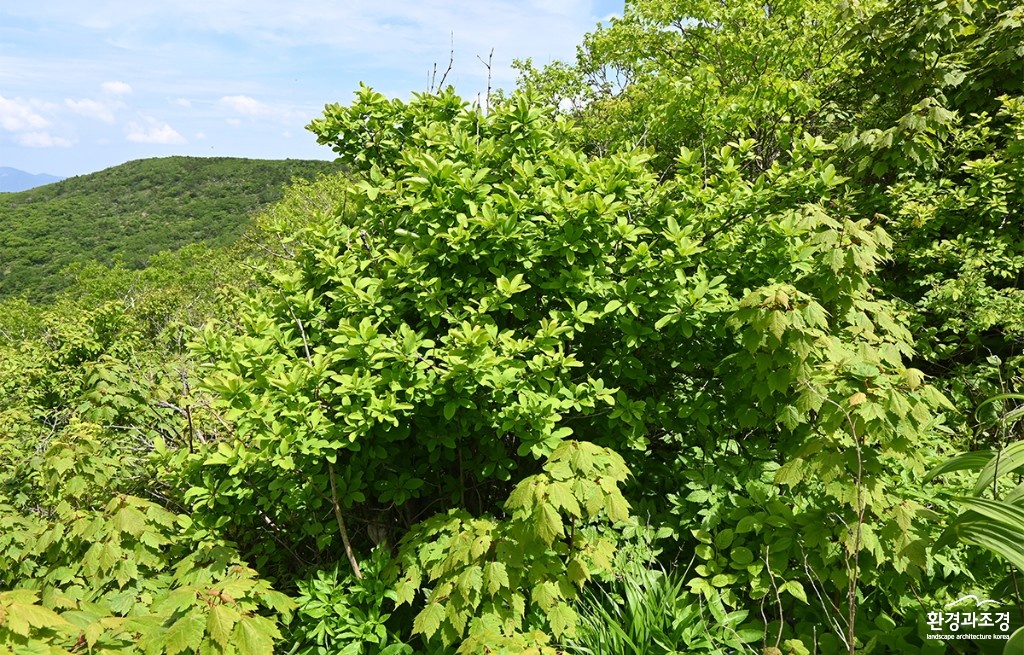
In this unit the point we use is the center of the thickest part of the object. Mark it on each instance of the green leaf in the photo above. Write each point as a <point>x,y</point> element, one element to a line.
<point>23,616</point>
<point>703,536</point>
<point>449,409</point>
<point>130,521</point>
<point>185,634</point>
<point>791,473</point>
<point>1011,516</point>
<point>577,572</point>
<point>92,633</point>
<point>495,577</point>
<point>997,398</point>
<point>777,324</point>
<point>220,622</point>
<point>548,523</point>
<point>1015,644</point>
<point>469,581</point>
<point>428,620</point>
<point>254,635</point>
<point>1005,461</point>
<point>795,589</point>
<point>545,595</point>
<point>616,507</point>
<point>994,536</point>
<point>563,620</point>
<point>176,601</point>
<point>561,497</point>
<point>741,555</point>
<point>962,462</point>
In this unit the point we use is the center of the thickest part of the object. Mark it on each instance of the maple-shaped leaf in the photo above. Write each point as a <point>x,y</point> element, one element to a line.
<point>428,620</point>
<point>405,591</point>
<point>254,635</point>
<point>777,324</point>
<point>176,601</point>
<point>545,595</point>
<point>278,602</point>
<point>21,617</point>
<point>470,581</point>
<point>480,545</point>
<point>495,577</point>
<point>578,572</point>
<point>561,497</point>
<point>563,620</point>
<point>601,553</point>
<point>616,507</point>
<point>548,523</point>
<point>220,622</point>
<point>521,496</point>
<point>130,521</point>
<point>185,634</point>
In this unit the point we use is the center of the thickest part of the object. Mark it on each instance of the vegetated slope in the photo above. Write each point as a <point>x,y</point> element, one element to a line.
<point>132,211</point>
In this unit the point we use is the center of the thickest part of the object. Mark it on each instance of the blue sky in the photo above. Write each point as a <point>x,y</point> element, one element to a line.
<point>87,85</point>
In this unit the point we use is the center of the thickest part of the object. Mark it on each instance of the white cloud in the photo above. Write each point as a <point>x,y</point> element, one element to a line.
<point>22,118</point>
<point>153,132</point>
<point>17,115</point>
<point>245,105</point>
<point>116,88</point>
<point>41,140</point>
<point>253,109</point>
<point>101,111</point>
<point>202,66</point>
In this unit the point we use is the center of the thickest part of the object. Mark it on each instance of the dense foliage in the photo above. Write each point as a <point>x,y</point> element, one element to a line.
<point>707,342</point>
<point>132,211</point>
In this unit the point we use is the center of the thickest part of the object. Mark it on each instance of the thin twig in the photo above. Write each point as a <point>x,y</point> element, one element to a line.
<point>488,64</point>
<point>341,524</point>
<point>187,409</point>
<point>451,60</point>
<point>305,342</point>
<point>778,596</point>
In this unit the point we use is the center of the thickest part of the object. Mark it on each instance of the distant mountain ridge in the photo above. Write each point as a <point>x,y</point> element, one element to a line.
<point>12,179</point>
<point>132,211</point>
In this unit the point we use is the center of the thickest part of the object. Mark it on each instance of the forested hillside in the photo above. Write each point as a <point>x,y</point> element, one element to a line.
<point>132,211</point>
<point>706,342</point>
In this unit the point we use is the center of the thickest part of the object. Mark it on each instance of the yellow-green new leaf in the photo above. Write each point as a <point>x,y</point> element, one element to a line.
<point>548,523</point>
<point>220,623</point>
<point>428,620</point>
<point>254,635</point>
<point>561,497</point>
<point>22,617</point>
<point>616,507</point>
<point>495,577</point>
<point>185,634</point>
<point>130,521</point>
<point>563,620</point>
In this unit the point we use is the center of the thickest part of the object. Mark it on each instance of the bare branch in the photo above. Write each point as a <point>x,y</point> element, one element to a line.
<point>451,60</point>
<point>489,65</point>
